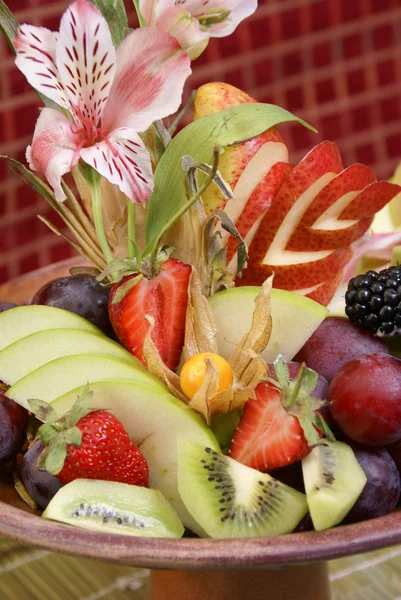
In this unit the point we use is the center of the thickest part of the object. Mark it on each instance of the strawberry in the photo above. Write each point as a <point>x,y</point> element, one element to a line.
<point>282,423</point>
<point>163,297</point>
<point>88,444</point>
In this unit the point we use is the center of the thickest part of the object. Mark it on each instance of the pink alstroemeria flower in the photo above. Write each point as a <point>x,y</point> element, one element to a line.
<point>193,22</point>
<point>110,95</point>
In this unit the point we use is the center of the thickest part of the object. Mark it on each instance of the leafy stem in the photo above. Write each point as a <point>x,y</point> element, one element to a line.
<point>131,225</point>
<point>93,179</point>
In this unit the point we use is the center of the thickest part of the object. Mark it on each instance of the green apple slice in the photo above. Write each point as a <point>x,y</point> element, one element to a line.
<point>294,317</point>
<point>64,374</point>
<point>21,321</point>
<point>37,349</point>
<point>154,421</point>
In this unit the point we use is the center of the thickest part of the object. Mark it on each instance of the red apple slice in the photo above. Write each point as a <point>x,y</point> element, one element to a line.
<point>257,204</point>
<point>306,180</point>
<point>306,233</point>
<point>243,166</point>
<point>324,293</point>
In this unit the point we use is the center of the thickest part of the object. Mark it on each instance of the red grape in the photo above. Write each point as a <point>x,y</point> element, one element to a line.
<point>365,399</point>
<point>13,423</point>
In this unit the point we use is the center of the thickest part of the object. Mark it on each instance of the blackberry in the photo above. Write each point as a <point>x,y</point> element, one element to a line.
<point>373,301</point>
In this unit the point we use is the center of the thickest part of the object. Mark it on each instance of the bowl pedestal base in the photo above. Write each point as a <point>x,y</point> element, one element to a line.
<point>305,582</point>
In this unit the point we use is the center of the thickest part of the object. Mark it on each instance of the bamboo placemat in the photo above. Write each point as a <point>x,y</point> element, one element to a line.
<point>28,574</point>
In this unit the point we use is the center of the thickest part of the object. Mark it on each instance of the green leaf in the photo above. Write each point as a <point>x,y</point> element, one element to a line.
<point>225,128</point>
<point>320,422</point>
<point>73,436</point>
<point>47,433</point>
<point>116,17</point>
<point>281,371</point>
<point>125,288</point>
<point>310,433</point>
<point>8,25</point>
<point>56,457</point>
<point>42,410</point>
<point>83,406</point>
<point>141,20</point>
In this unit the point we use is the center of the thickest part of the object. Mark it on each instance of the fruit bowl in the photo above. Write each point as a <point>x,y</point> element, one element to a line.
<point>189,567</point>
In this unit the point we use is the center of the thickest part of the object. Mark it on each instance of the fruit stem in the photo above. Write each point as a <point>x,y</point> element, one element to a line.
<point>131,228</point>
<point>94,178</point>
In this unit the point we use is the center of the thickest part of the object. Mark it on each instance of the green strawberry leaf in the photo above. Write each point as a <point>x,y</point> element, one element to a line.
<point>310,433</point>
<point>125,288</point>
<point>42,410</point>
<point>225,128</point>
<point>72,436</point>
<point>55,458</point>
<point>47,433</point>
<point>281,371</point>
<point>320,422</point>
<point>82,407</point>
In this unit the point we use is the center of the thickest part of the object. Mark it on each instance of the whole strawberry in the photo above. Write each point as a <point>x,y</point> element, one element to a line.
<point>282,424</point>
<point>88,444</point>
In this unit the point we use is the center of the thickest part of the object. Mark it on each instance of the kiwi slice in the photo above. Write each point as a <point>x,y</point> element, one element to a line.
<point>333,481</point>
<point>114,507</point>
<point>230,500</point>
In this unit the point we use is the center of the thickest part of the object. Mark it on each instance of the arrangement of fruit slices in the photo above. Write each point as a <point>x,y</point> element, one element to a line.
<point>196,417</point>
<point>246,490</point>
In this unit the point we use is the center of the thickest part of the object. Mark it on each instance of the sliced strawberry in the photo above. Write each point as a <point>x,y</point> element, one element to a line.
<point>278,427</point>
<point>165,298</point>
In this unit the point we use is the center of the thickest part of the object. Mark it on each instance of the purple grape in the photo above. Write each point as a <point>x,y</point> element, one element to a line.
<point>40,484</point>
<point>6,306</point>
<point>383,487</point>
<point>336,342</point>
<point>80,294</point>
<point>305,524</point>
<point>395,452</point>
<point>291,476</point>
<point>13,423</point>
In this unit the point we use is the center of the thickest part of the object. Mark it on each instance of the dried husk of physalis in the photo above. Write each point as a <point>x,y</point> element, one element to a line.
<point>200,336</point>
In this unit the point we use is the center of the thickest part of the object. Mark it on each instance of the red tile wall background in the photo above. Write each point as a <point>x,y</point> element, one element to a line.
<point>336,63</point>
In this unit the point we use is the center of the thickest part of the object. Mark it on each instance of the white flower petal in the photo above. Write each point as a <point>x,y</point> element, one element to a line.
<point>152,9</point>
<point>54,149</point>
<point>151,72</point>
<point>371,245</point>
<point>86,59</point>
<point>186,30</point>
<point>36,58</point>
<point>124,161</point>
